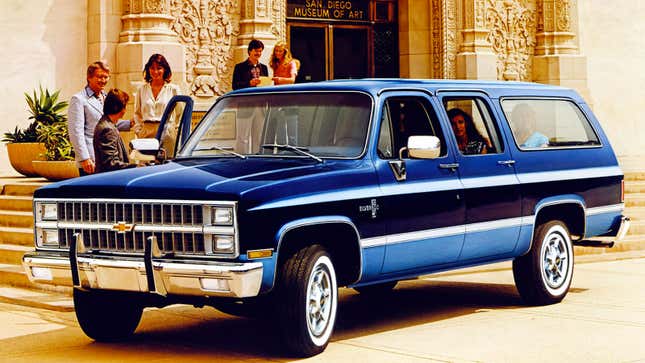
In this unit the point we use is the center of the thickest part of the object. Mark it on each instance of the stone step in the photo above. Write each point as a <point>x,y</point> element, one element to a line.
<point>22,219</point>
<point>16,203</point>
<point>17,236</point>
<point>12,254</point>
<point>634,175</point>
<point>635,200</point>
<point>14,275</point>
<point>635,213</point>
<point>24,189</point>
<point>635,186</point>
<point>637,227</point>
<point>629,243</point>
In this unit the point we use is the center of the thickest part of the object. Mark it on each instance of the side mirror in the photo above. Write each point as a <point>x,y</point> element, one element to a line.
<point>144,150</point>
<point>424,147</point>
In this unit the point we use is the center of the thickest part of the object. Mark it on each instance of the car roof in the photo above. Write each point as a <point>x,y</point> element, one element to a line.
<point>376,86</point>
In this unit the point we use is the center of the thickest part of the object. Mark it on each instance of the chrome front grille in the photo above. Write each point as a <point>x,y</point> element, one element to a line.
<point>138,213</point>
<point>177,226</point>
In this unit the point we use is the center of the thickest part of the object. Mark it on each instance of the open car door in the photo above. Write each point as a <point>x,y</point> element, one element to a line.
<point>174,127</point>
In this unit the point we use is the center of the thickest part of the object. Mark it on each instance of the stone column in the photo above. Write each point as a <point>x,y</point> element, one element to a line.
<point>415,39</point>
<point>103,26</point>
<point>146,29</point>
<point>557,58</point>
<point>475,59</point>
<point>256,22</point>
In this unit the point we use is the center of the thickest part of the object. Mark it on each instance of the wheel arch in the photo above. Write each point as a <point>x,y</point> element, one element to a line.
<point>570,209</point>
<point>343,245</point>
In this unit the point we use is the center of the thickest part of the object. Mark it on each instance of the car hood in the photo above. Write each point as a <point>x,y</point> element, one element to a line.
<point>253,179</point>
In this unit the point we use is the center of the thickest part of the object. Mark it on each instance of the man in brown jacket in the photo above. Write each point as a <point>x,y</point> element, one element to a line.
<point>109,150</point>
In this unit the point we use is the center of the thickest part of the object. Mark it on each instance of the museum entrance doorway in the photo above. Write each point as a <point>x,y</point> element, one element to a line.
<point>343,39</point>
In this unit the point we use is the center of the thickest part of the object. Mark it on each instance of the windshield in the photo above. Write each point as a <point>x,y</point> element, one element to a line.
<point>314,124</point>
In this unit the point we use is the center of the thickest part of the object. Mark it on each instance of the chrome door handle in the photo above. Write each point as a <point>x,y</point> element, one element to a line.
<point>508,163</point>
<point>451,166</point>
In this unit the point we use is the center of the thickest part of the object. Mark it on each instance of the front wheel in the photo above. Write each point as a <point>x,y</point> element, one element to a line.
<point>106,315</point>
<point>543,276</point>
<point>307,300</point>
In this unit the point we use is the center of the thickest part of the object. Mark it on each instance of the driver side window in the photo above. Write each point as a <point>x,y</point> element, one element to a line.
<point>403,117</point>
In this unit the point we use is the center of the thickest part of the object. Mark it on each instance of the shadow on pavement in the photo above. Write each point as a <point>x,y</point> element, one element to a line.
<point>206,334</point>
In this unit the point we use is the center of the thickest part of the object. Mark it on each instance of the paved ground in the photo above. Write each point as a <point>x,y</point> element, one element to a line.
<point>466,317</point>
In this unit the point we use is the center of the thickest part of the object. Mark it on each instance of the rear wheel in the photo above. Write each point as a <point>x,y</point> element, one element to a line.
<point>307,300</point>
<point>106,315</point>
<point>543,276</point>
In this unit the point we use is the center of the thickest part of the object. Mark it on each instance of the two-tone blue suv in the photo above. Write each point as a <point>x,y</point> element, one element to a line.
<point>280,195</point>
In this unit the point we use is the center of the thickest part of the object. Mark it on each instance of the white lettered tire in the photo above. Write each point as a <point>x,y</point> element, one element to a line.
<point>308,299</point>
<point>543,276</point>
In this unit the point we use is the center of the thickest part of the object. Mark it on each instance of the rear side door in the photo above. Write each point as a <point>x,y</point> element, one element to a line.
<point>491,188</point>
<point>422,198</point>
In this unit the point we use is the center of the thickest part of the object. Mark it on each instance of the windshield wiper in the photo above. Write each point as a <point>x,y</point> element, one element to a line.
<point>297,149</point>
<point>219,148</point>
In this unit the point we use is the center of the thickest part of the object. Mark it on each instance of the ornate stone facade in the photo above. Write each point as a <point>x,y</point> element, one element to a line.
<point>512,28</point>
<point>208,29</point>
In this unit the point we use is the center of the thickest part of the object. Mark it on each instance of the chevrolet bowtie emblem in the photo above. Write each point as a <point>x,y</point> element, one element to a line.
<point>122,227</point>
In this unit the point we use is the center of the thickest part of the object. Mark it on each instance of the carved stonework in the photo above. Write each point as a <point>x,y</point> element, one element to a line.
<point>512,33</point>
<point>279,13</point>
<point>207,29</point>
<point>437,39</point>
<point>155,6</point>
<point>444,38</point>
<point>261,8</point>
<point>563,20</point>
<point>450,36</point>
<point>480,18</point>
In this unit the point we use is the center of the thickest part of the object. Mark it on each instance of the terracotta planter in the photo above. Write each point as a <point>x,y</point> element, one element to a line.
<point>21,154</point>
<point>56,170</point>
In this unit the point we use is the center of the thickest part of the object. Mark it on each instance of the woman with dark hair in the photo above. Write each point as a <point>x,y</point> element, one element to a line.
<point>109,149</point>
<point>469,140</point>
<point>152,98</point>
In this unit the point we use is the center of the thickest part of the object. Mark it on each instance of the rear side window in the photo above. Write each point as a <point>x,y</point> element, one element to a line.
<point>544,123</point>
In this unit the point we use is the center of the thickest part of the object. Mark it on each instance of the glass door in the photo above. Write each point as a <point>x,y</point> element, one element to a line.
<point>309,45</point>
<point>351,58</point>
<point>330,51</point>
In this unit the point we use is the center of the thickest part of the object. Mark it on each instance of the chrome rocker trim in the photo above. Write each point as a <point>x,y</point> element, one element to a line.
<point>147,275</point>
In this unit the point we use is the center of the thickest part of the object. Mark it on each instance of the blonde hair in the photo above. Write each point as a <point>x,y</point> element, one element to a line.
<point>274,63</point>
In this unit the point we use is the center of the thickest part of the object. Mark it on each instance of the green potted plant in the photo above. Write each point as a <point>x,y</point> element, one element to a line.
<point>59,152</point>
<point>22,144</point>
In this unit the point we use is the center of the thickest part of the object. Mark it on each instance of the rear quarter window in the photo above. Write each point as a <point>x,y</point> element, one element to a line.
<point>543,123</point>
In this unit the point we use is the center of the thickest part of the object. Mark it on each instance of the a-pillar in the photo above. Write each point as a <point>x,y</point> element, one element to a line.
<point>255,23</point>
<point>475,59</point>
<point>147,30</point>
<point>557,59</point>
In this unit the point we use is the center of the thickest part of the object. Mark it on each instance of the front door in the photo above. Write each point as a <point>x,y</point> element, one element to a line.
<point>331,51</point>
<point>175,125</point>
<point>423,200</point>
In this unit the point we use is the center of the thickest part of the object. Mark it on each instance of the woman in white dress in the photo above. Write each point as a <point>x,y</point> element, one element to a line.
<point>151,100</point>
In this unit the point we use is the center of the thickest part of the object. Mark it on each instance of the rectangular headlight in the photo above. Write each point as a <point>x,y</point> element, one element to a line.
<point>47,237</point>
<point>222,216</point>
<point>223,244</point>
<point>47,211</point>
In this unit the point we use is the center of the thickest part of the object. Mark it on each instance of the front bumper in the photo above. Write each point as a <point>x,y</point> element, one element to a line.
<point>153,276</point>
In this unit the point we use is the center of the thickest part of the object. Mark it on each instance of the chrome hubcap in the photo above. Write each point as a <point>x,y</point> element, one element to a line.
<point>555,260</point>
<point>319,300</point>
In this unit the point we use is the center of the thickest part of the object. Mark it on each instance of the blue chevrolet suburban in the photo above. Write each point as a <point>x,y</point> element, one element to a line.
<point>281,195</point>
